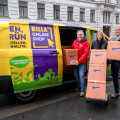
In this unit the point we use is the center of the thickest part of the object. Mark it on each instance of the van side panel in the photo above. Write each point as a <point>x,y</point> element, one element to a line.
<point>5,78</point>
<point>33,56</point>
<point>20,56</point>
<point>4,50</point>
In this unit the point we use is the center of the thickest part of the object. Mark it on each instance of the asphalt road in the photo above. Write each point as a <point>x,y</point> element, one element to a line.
<point>63,104</point>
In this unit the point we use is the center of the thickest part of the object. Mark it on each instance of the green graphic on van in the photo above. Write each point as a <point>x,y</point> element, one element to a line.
<point>20,61</point>
<point>22,82</point>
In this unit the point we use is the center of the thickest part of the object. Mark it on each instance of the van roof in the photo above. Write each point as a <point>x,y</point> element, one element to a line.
<point>6,24</point>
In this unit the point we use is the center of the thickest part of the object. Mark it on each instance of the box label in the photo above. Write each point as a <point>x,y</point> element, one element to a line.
<point>94,87</point>
<point>97,70</point>
<point>115,48</point>
<point>97,55</point>
<point>72,61</point>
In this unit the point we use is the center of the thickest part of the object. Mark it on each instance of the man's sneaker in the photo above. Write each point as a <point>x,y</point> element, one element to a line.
<point>115,95</point>
<point>82,93</point>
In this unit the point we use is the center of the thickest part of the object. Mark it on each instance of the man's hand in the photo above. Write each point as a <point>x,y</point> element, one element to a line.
<point>77,63</point>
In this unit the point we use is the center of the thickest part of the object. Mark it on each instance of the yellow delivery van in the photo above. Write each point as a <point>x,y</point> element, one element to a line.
<point>31,56</point>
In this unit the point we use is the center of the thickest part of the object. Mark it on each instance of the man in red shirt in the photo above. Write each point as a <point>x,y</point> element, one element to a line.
<point>83,51</point>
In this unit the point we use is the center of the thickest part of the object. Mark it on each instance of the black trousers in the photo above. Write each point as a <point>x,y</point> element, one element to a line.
<point>115,66</point>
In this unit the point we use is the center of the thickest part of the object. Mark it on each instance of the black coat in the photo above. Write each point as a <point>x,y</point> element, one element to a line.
<point>99,44</point>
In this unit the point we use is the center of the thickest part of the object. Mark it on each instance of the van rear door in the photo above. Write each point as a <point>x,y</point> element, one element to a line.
<point>44,43</point>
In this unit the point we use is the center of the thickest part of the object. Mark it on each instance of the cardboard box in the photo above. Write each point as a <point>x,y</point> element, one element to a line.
<point>96,90</point>
<point>97,72</point>
<point>65,47</point>
<point>70,56</point>
<point>113,50</point>
<point>98,57</point>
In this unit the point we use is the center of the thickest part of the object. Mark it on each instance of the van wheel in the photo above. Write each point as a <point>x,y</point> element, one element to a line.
<point>24,97</point>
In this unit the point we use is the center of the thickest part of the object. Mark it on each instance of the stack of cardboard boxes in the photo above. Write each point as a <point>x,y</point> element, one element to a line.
<point>96,84</point>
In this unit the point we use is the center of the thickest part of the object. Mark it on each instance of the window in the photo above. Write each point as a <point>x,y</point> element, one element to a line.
<point>82,14</point>
<point>56,12</point>
<point>118,2</point>
<point>70,13</point>
<point>41,10</point>
<point>117,17</point>
<point>92,16</point>
<point>93,35</point>
<point>107,1</point>
<point>106,17</point>
<point>3,8</point>
<point>23,10</point>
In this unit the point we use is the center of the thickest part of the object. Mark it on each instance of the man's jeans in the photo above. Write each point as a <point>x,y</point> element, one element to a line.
<point>115,66</point>
<point>79,72</point>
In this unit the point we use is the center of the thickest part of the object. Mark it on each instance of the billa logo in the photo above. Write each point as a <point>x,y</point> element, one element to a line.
<point>72,56</point>
<point>94,87</point>
<point>96,70</point>
<point>41,34</point>
<point>115,48</point>
<point>97,55</point>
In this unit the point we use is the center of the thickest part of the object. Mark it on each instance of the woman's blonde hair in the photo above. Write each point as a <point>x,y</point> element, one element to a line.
<point>101,33</point>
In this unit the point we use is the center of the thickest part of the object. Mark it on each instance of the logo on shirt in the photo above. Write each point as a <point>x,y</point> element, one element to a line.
<point>81,45</point>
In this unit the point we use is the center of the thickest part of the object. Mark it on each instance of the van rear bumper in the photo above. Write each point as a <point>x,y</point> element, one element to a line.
<point>6,84</point>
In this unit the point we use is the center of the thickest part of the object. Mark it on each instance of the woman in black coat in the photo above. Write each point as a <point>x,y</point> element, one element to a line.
<point>100,42</point>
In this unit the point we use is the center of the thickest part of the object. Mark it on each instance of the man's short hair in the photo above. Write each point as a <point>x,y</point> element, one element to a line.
<point>80,31</point>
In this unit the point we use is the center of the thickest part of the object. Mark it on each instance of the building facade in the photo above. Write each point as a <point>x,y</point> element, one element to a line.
<point>100,14</point>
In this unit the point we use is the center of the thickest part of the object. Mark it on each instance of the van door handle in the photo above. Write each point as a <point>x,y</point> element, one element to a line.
<point>53,52</point>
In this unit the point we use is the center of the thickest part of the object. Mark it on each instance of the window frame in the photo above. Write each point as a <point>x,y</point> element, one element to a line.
<point>41,10</point>
<point>82,13</point>
<point>2,5</point>
<point>56,11</point>
<point>108,1</point>
<point>23,9</point>
<point>70,13</point>
<point>118,2</point>
<point>106,17</point>
<point>92,15</point>
<point>117,18</point>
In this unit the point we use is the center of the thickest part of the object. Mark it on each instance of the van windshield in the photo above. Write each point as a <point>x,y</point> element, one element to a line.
<point>68,35</point>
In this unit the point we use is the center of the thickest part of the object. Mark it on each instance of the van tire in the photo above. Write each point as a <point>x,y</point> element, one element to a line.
<point>25,97</point>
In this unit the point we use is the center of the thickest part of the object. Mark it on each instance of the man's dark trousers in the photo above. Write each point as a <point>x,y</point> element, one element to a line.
<point>115,66</point>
